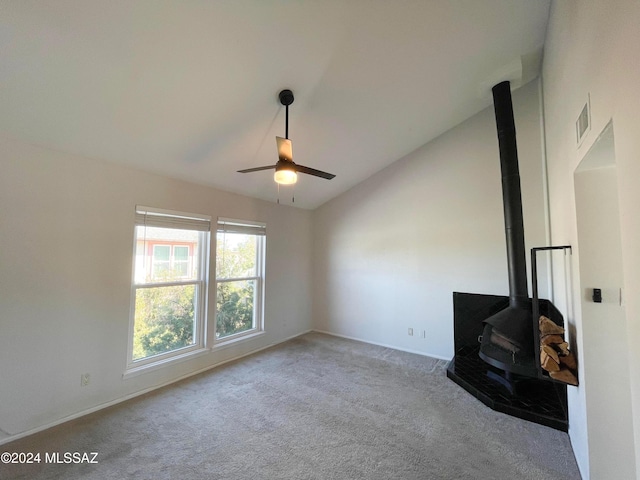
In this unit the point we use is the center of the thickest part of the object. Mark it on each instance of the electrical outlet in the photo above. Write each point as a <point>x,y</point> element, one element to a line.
<point>85,378</point>
<point>411,332</point>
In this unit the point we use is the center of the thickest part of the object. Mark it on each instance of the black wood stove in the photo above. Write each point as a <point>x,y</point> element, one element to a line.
<point>496,353</point>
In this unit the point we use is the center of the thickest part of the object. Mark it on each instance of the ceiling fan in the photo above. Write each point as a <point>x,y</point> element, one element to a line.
<point>286,170</point>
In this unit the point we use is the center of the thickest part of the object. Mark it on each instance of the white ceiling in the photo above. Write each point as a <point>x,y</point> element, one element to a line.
<point>190,89</point>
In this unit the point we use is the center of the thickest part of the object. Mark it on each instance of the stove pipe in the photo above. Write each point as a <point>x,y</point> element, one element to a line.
<point>507,340</point>
<point>511,195</point>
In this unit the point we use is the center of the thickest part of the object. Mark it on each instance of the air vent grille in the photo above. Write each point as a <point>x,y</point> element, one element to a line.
<point>583,124</point>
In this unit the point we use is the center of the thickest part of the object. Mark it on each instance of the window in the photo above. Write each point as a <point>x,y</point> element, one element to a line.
<point>174,260</point>
<point>239,278</point>
<point>169,288</point>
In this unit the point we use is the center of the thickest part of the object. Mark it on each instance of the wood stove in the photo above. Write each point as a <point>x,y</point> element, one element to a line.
<point>496,340</point>
<point>507,340</point>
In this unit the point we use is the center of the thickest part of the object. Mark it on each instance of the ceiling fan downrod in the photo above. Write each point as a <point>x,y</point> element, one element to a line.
<point>286,99</point>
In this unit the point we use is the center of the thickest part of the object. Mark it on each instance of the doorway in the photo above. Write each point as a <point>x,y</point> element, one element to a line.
<point>604,330</point>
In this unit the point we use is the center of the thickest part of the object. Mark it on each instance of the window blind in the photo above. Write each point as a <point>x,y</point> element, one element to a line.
<point>227,225</point>
<point>155,217</point>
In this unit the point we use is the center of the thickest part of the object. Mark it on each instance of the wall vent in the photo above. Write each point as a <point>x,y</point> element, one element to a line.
<point>583,123</point>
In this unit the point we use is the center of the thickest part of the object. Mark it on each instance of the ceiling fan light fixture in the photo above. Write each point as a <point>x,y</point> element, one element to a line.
<point>285,175</point>
<point>286,170</point>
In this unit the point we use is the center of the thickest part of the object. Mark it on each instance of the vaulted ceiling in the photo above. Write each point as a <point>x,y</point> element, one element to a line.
<point>189,89</point>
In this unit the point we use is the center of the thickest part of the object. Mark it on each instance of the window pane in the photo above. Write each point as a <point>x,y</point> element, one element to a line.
<point>164,319</point>
<point>240,275</point>
<point>161,265</point>
<point>161,253</point>
<point>181,269</point>
<point>159,259</point>
<point>181,253</point>
<point>181,261</point>
<point>234,305</point>
<point>235,255</point>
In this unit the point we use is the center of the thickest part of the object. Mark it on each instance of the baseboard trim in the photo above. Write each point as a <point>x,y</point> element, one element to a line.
<point>394,347</point>
<point>68,418</point>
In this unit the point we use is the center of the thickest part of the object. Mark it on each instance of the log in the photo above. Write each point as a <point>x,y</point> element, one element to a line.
<point>564,375</point>
<point>555,356</point>
<point>569,361</point>
<point>562,349</point>
<point>548,363</point>
<point>552,353</point>
<point>547,327</point>
<point>551,339</point>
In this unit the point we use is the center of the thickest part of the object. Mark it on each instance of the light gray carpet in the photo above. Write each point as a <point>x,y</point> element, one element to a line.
<point>316,407</point>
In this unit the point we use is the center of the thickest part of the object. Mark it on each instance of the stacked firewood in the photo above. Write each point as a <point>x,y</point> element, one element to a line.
<point>555,356</point>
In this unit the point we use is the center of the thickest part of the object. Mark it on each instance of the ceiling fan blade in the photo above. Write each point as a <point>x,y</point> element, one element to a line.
<point>284,149</point>
<point>256,169</point>
<point>314,172</point>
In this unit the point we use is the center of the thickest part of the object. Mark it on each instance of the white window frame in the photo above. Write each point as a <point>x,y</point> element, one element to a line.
<point>155,217</point>
<point>230,225</point>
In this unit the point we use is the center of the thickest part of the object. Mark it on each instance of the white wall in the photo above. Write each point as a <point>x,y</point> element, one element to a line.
<point>592,48</point>
<point>389,253</point>
<point>66,240</point>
